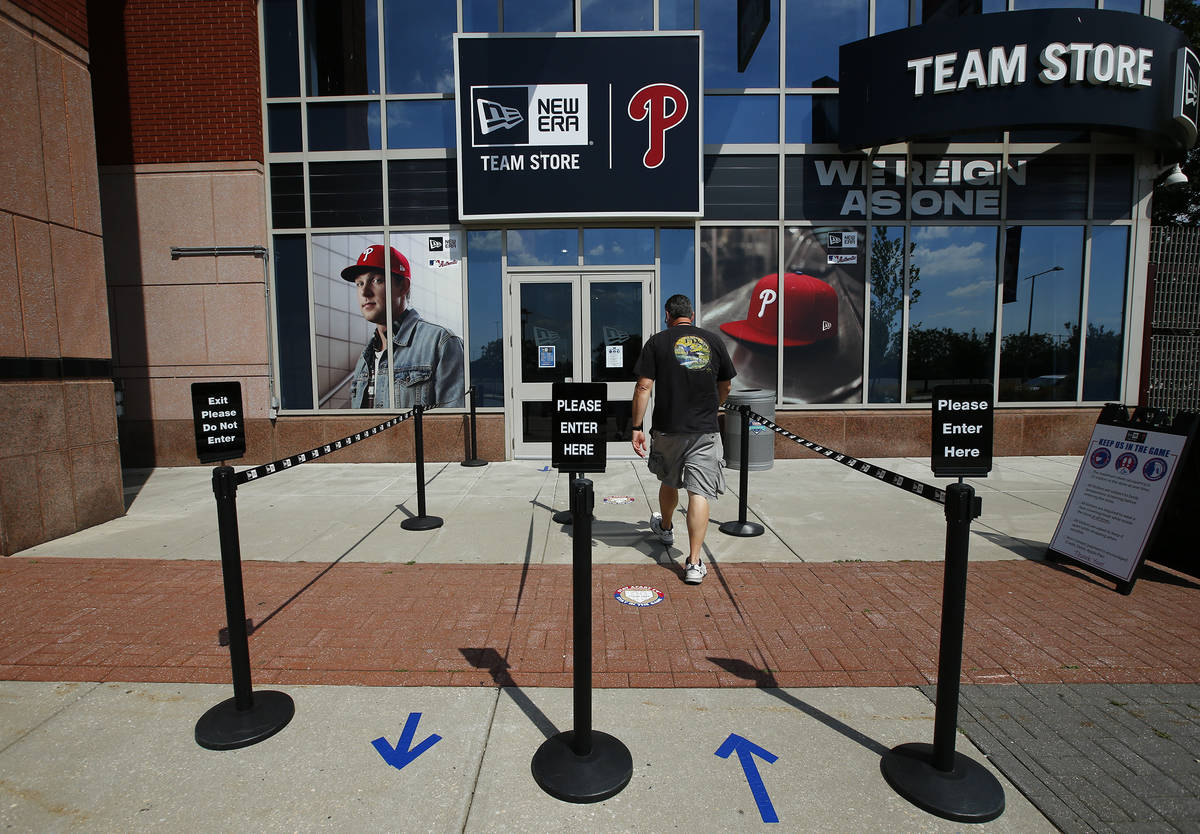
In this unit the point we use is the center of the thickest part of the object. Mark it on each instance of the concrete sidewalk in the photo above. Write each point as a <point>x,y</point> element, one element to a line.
<point>120,757</point>
<point>814,511</point>
<point>816,642</point>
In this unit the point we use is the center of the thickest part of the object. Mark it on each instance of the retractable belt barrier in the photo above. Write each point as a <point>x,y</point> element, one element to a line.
<point>259,472</point>
<point>250,717</point>
<point>895,479</point>
<point>934,777</point>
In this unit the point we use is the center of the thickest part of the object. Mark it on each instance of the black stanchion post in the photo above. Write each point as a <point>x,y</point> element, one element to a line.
<point>567,516</point>
<point>420,521</point>
<point>742,527</point>
<point>474,459</point>
<point>582,765</point>
<point>934,777</point>
<point>248,717</point>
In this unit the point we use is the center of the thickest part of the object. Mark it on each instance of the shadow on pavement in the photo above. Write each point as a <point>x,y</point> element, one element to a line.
<point>764,679</point>
<point>497,666</point>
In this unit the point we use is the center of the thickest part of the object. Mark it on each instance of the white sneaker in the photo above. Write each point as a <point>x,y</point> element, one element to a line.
<point>664,536</point>
<point>694,574</point>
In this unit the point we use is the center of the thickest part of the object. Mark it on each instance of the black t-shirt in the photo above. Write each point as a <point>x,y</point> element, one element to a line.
<point>686,363</point>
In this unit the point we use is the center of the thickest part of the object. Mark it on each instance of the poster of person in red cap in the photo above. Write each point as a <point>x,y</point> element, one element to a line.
<point>821,291</point>
<point>422,362</point>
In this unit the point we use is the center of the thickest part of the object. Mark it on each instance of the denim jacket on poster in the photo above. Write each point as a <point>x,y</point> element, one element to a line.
<point>429,366</point>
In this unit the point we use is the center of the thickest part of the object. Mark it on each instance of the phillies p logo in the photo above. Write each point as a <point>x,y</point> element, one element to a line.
<point>663,106</point>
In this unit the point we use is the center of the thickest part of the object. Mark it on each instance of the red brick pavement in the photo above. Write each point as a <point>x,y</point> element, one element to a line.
<point>794,624</point>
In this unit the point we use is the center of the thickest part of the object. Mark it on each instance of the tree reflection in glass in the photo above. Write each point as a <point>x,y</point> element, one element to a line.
<point>951,334</point>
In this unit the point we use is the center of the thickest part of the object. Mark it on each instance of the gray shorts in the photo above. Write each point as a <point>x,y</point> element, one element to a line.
<point>689,461</point>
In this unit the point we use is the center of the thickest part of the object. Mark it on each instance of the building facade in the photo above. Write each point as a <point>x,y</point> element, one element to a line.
<point>250,152</point>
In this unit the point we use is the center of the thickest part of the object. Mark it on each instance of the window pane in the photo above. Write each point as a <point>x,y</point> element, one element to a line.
<point>291,314</point>
<point>1039,351</point>
<point>1106,314</point>
<point>1134,6</point>
<point>811,119</point>
<point>741,187</point>
<point>952,300</point>
<point>539,16</point>
<point>342,40</point>
<point>618,246</point>
<point>422,191</point>
<point>718,18</point>
<point>827,187</point>
<point>677,264</point>
<point>1049,187</point>
<point>738,273</point>
<point>741,119</point>
<point>283,128</point>
<point>486,303</point>
<point>1114,186</point>
<point>418,39</point>
<point>615,312</point>
<point>543,247</point>
<point>547,332</point>
<point>282,48</point>
<point>420,124</point>
<point>287,195</point>
<point>816,30</point>
<point>614,15</point>
<point>939,11</point>
<point>954,187</point>
<point>890,15</point>
<point>481,16</point>
<point>344,126</point>
<point>340,330</point>
<point>823,290</point>
<point>346,193</point>
<point>887,314</point>
<point>676,14</point>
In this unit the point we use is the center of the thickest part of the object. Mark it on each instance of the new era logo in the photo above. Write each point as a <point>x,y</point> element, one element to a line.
<point>494,116</point>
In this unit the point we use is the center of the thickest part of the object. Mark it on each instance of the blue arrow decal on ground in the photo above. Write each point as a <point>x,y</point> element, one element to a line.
<point>746,751</point>
<point>402,754</point>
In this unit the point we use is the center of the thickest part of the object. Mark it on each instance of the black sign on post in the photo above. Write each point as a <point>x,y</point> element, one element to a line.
<point>577,442</point>
<point>962,430</point>
<point>220,420</point>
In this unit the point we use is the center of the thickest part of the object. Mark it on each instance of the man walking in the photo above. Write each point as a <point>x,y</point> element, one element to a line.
<point>693,372</point>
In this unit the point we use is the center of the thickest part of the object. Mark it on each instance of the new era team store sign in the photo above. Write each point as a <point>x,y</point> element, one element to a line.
<point>573,125</point>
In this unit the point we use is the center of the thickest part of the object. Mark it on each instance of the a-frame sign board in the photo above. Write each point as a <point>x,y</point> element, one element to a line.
<point>1127,501</point>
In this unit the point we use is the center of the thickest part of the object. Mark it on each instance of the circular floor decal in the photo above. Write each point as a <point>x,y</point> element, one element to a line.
<point>640,596</point>
<point>618,499</point>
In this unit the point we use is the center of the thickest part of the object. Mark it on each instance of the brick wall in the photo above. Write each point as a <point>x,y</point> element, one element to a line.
<point>176,81</point>
<point>66,16</point>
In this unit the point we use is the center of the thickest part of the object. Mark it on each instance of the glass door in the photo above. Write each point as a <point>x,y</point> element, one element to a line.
<point>576,328</point>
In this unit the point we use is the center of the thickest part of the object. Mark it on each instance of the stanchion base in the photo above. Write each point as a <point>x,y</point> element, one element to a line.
<point>565,775</point>
<point>967,793</point>
<point>422,522</point>
<point>225,727</point>
<point>740,529</point>
<point>474,462</point>
<point>563,517</point>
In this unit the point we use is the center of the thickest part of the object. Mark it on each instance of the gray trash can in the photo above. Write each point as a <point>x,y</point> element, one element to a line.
<point>762,439</point>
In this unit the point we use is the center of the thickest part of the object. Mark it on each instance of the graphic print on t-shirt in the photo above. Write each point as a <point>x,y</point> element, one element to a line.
<point>693,353</point>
